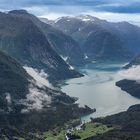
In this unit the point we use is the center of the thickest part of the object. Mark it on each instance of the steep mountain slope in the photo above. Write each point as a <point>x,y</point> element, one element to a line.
<point>103,44</point>
<point>87,29</point>
<point>63,44</point>
<point>13,83</point>
<point>26,104</point>
<point>126,125</point>
<point>23,40</point>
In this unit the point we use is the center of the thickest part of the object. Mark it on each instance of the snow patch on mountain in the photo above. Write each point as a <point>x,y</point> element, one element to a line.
<point>71,67</point>
<point>86,57</point>
<point>9,101</point>
<point>8,98</point>
<point>86,18</point>
<point>57,20</point>
<point>65,59</point>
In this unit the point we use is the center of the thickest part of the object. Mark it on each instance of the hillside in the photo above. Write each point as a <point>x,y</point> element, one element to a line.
<point>63,44</point>
<point>126,125</point>
<point>88,30</point>
<point>23,40</point>
<point>26,104</point>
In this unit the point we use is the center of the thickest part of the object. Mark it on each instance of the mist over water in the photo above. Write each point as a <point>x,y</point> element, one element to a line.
<point>97,90</point>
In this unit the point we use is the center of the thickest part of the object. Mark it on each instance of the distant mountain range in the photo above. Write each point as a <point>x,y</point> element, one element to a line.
<point>63,44</point>
<point>100,38</point>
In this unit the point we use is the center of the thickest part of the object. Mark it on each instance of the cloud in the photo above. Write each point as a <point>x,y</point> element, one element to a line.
<point>39,77</point>
<point>52,9</point>
<point>120,6</point>
<point>132,73</point>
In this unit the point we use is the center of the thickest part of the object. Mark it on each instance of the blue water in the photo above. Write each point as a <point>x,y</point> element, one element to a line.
<point>97,90</point>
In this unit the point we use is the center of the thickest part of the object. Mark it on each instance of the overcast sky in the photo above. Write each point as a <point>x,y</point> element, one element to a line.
<point>112,10</point>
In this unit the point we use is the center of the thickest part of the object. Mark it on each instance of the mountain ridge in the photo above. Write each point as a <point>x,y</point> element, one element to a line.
<point>82,31</point>
<point>23,40</point>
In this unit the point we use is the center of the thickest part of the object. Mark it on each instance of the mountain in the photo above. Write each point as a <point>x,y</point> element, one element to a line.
<point>91,32</point>
<point>26,104</point>
<point>23,40</point>
<point>104,45</point>
<point>63,44</point>
<point>130,86</point>
<point>126,125</point>
<point>13,83</point>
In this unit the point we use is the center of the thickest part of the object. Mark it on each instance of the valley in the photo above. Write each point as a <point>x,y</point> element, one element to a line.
<point>97,89</point>
<point>74,73</point>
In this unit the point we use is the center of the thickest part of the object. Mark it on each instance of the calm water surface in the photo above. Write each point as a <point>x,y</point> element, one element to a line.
<point>97,90</point>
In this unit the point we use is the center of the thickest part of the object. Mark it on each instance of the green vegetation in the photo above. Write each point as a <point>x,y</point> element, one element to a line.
<point>88,130</point>
<point>21,139</point>
<point>54,136</point>
<point>92,130</point>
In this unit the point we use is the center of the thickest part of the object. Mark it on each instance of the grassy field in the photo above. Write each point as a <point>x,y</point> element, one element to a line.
<point>89,130</point>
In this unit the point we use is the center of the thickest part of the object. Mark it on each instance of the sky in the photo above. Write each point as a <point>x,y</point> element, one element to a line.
<point>112,10</point>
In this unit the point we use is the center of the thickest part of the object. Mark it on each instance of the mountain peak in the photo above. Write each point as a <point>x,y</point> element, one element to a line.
<point>22,11</point>
<point>86,17</point>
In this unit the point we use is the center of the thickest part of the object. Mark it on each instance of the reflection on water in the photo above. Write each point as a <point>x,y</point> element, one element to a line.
<point>97,90</point>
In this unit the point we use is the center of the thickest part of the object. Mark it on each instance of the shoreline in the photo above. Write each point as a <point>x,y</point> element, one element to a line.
<point>72,88</point>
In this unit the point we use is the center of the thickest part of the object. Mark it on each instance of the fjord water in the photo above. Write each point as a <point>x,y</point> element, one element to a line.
<point>97,89</point>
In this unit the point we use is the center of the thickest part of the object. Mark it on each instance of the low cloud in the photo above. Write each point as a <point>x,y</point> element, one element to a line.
<point>40,77</point>
<point>132,73</point>
<point>36,99</point>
